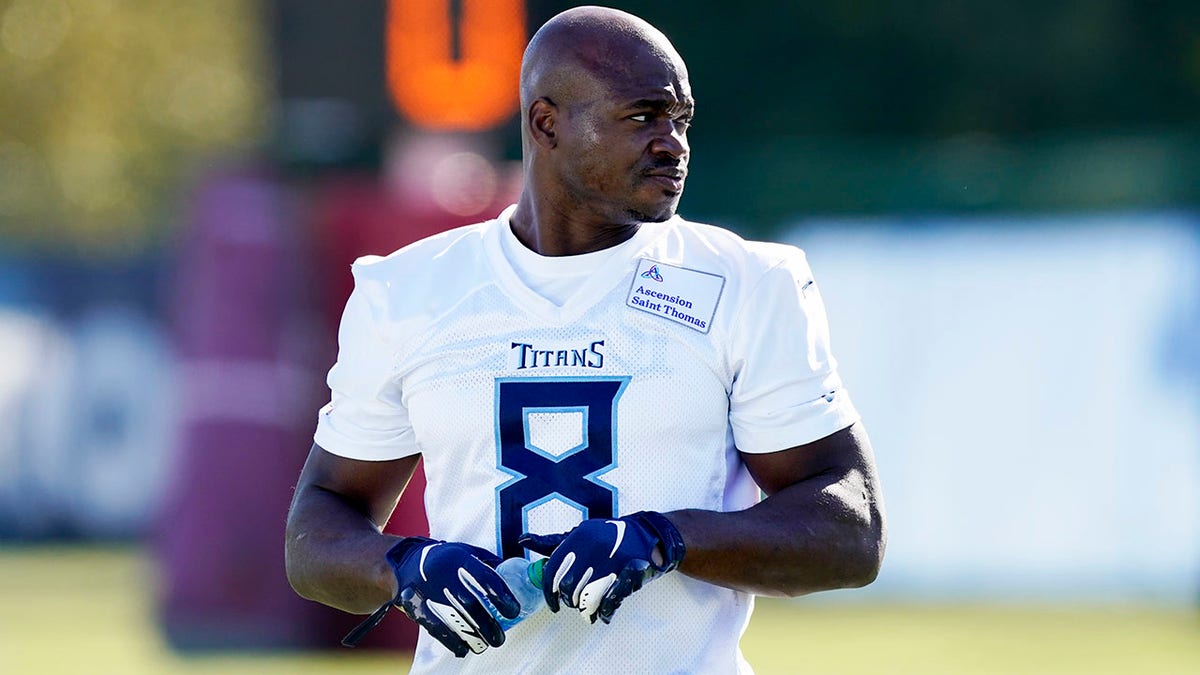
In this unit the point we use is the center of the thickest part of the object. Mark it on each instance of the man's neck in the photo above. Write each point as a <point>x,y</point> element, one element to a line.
<point>553,232</point>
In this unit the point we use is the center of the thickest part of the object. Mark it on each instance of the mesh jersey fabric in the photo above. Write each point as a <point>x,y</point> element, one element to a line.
<point>531,414</point>
<point>555,278</point>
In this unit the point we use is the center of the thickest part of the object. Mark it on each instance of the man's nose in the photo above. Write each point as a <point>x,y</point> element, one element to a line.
<point>672,140</point>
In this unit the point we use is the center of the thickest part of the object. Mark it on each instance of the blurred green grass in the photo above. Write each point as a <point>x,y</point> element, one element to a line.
<point>89,610</point>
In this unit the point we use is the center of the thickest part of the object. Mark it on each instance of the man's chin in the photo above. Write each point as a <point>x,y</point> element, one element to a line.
<point>656,214</point>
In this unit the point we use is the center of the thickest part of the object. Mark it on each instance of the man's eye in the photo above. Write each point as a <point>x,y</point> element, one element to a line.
<point>640,117</point>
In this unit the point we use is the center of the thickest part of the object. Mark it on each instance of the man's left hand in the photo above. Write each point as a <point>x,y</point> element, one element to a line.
<point>595,566</point>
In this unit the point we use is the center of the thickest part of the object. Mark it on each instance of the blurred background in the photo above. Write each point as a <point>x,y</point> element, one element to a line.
<point>1000,200</point>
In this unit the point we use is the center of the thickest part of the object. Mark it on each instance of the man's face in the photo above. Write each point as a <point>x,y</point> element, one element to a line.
<point>625,149</point>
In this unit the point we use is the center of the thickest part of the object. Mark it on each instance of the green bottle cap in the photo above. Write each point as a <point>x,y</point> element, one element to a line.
<point>534,571</point>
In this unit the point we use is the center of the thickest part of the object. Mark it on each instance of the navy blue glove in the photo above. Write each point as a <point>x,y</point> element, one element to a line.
<point>442,586</point>
<point>595,566</point>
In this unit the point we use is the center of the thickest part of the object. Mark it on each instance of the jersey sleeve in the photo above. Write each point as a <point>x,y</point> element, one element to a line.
<point>786,390</point>
<point>365,417</point>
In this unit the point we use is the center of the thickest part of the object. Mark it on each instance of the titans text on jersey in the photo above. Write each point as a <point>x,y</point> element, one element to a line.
<point>591,356</point>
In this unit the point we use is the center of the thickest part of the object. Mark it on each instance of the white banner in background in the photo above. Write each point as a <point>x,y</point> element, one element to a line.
<point>86,423</point>
<point>1032,390</point>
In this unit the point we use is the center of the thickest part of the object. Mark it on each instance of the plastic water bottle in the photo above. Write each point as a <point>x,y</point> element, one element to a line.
<point>525,580</point>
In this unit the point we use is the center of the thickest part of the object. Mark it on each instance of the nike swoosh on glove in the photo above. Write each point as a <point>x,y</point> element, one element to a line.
<point>442,586</point>
<point>595,566</point>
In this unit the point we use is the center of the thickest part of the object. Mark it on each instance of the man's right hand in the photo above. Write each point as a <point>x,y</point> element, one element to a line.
<point>441,586</point>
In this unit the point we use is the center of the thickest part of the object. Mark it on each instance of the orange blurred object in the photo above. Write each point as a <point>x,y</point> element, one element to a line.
<point>474,92</point>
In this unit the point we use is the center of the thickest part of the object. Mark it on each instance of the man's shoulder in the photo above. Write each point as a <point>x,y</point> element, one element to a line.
<point>424,279</point>
<point>716,246</point>
<point>437,249</point>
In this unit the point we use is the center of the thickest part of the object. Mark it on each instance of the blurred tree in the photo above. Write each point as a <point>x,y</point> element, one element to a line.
<point>106,106</point>
<point>934,67</point>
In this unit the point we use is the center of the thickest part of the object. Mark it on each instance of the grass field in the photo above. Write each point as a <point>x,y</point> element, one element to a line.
<point>76,610</point>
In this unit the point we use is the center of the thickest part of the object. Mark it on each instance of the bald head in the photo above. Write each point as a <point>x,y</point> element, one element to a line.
<point>588,46</point>
<point>606,105</point>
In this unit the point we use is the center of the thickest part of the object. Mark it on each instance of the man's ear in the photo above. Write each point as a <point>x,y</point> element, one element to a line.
<point>543,118</point>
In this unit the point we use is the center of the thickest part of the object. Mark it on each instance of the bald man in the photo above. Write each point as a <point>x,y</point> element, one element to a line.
<point>591,379</point>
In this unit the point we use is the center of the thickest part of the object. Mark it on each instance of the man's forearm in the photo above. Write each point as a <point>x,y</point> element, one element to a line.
<point>335,555</point>
<point>819,534</point>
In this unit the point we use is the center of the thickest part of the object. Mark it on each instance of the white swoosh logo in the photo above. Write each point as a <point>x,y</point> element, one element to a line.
<point>620,536</point>
<point>425,554</point>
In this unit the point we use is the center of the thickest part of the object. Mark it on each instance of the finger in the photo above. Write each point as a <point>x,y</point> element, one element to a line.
<point>453,618</point>
<point>576,595</point>
<point>627,582</point>
<point>418,610</point>
<point>442,633</point>
<point>489,586</point>
<point>468,600</point>
<point>640,572</point>
<point>447,637</point>
<point>549,569</point>
<point>562,584</point>
<point>541,543</point>
<point>607,610</point>
<point>593,594</point>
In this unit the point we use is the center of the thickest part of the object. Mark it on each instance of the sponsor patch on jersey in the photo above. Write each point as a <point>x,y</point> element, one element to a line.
<point>685,296</point>
<point>652,273</point>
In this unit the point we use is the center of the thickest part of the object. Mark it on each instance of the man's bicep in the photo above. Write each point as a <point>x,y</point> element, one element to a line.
<point>840,453</point>
<point>372,487</point>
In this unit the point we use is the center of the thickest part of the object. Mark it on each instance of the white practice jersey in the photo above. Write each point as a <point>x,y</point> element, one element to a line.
<point>635,392</point>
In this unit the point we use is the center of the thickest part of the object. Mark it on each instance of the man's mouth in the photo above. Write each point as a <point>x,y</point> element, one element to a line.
<point>670,179</point>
